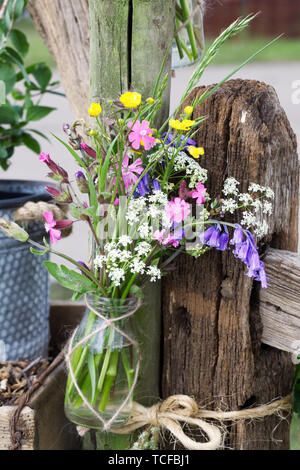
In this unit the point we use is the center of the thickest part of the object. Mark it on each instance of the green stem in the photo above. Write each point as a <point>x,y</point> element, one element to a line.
<point>109,379</point>
<point>129,371</point>
<point>178,42</point>
<point>189,28</point>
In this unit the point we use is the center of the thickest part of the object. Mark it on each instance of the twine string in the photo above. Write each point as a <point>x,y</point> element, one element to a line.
<point>107,323</point>
<point>183,409</point>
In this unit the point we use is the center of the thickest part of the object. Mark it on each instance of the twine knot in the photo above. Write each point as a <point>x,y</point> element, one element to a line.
<point>178,409</point>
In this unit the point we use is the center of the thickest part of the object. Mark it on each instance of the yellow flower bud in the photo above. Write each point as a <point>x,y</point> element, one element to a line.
<point>188,110</point>
<point>150,100</point>
<point>95,109</point>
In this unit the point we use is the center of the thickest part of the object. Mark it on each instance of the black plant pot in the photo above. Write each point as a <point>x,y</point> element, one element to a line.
<point>24,281</point>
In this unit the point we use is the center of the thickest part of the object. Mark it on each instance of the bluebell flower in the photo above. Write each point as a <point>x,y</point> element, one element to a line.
<point>177,231</point>
<point>178,143</point>
<point>247,252</point>
<point>223,241</point>
<point>144,187</point>
<point>245,248</point>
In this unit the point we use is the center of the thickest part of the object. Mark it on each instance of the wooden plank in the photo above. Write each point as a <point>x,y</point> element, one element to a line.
<point>26,426</point>
<point>280,302</point>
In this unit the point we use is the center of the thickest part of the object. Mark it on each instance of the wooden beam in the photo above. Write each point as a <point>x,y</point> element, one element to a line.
<point>280,303</point>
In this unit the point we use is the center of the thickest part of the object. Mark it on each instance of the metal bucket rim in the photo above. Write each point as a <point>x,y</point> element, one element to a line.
<point>41,195</point>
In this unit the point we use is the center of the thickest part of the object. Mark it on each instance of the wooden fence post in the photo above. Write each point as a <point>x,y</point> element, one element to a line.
<point>212,325</point>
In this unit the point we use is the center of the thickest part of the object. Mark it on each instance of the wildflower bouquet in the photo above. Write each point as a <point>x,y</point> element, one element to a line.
<point>141,190</point>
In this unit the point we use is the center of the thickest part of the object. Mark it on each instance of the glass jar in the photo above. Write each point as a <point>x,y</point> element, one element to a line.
<point>103,361</point>
<point>188,46</point>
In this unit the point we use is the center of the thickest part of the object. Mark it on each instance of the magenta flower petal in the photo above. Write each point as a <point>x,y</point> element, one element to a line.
<point>55,235</point>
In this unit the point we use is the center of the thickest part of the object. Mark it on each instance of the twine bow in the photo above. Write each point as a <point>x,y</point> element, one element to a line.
<point>182,408</point>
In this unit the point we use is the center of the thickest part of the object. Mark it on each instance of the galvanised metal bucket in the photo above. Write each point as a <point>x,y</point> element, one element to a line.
<point>24,280</point>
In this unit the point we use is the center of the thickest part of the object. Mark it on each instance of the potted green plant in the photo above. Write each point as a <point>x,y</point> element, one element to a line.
<point>21,90</point>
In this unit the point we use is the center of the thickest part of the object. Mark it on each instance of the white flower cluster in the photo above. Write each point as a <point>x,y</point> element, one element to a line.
<point>119,258</point>
<point>253,204</point>
<point>230,187</point>
<point>146,214</point>
<point>193,170</point>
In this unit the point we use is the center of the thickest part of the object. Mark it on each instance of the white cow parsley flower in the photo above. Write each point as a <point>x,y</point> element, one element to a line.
<point>143,249</point>
<point>99,261</point>
<point>124,240</point>
<point>137,266</point>
<point>230,186</point>
<point>117,275</point>
<point>154,273</point>
<point>245,199</point>
<point>257,205</point>
<point>248,219</point>
<point>267,208</point>
<point>229,205</point>
<point>261,229</point>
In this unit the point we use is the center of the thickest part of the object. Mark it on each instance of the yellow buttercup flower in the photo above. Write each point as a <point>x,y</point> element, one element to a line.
<point>176,124</point>
<point>131,99</point>
<point>195,151</point>
<point>95,109</point>
<point>188,110</point>
<point>185,125</point>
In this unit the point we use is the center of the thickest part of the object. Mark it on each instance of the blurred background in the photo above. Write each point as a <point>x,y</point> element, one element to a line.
<point>278,66</point>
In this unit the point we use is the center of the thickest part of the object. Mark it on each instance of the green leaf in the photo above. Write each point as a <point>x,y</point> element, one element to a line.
<point>7,75</point>
<point>74,211</point>
<point>31,143</point>
<point>19,41</point>
<point>90,212</point>
<point>28,101</point>
<point>76,296</point>
<point>8,115</point>
<point>3,153</point>
<point>13,55</point>
<point>40,134</point>
<point>38,253</point>
<point>69,278</point>
<point>35,113</point>
<point>136,291</point>
<point>15,8</point>
<point>42,73</point>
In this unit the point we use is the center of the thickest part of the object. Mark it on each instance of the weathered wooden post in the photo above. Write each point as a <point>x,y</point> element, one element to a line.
<point>213,328</point>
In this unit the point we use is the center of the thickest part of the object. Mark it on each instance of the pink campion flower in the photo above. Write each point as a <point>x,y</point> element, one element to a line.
<point>160,236</point>
<point>55,233</point>
<point>199,194</point>
<point>53,191</point>
<point>140,135</point>
<point>55,169</point>
<point>177,210</point>
<point>130,172</point>
<point>91,152</point>
<point>44,157</point>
